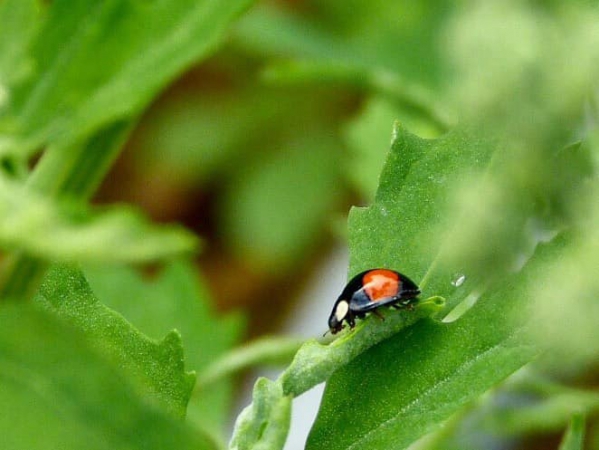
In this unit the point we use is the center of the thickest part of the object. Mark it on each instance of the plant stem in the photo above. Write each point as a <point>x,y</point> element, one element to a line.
<point>21,275</point>
<point>265,351</point>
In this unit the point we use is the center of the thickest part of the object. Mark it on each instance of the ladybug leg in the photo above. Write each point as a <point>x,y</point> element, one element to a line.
<point>351,321</point>
<point>406,303</point>
<point>378,314</point>
<point>396,306</point>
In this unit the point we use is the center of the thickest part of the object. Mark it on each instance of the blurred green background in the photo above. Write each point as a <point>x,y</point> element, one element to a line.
<point>263,148</point>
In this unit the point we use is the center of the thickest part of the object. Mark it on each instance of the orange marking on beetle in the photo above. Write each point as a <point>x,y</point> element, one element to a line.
<point>380,283</point>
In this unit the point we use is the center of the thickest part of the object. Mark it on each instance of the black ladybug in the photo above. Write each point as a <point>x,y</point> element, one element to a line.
<point>368,291</point>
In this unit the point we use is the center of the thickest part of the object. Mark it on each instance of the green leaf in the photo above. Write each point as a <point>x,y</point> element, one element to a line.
<point>158,367</point>
<point>101,61</point>
<point>58,392</point>
<point>177,299</point>
<point>54,231</point>
<point>264,424</point>
<point>425,373</point>
<point>574,437</point>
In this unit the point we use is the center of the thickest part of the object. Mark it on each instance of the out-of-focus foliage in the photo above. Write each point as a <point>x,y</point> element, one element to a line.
<point>65,231</point>
<point>88,62</point>
<point>487,197</point>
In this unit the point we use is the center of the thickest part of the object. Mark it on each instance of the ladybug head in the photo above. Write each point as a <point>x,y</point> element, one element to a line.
<point>338,315</point>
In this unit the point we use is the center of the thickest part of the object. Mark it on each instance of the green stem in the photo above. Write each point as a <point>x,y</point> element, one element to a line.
<point>574,437</point>
<point>20,277</point>
<point>265,351</point>
<point>73,172</point>
<point>77,171</point>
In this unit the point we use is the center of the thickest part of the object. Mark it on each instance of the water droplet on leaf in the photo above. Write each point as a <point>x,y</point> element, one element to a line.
<point>458,279</point>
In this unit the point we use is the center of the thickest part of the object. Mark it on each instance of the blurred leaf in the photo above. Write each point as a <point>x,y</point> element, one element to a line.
<point>527,404</point>
<point>74,172</point>
<point>192,136</point>
<point>100,61</point>
<point>367,138</point>
<point>176,299</point>
<point>157,366</point>
<point>277,208</point>
<point>530,412</point>
<point>54,231</point>
<point>574,437</point>
<point>377,47</point>
<point>19,19</point>
<point>520,82</point>
<point>58,392</point>
<point>384,35</point>
<point>568,328</point>
<point>413,103</point>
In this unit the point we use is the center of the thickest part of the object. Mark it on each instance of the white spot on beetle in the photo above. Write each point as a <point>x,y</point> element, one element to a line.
<point>341,310</point>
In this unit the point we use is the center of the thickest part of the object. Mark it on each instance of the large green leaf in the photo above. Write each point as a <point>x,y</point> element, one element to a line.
<point>157,366</point>
<point>176,299</point>
<point>58,392</point>
<point>95,62</point>
<point>427,372</point>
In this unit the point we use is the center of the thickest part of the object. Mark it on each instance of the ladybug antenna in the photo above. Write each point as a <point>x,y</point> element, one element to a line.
<point>325,333</point>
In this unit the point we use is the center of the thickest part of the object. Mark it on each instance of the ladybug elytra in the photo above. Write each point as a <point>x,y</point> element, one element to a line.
<point>368,291</point>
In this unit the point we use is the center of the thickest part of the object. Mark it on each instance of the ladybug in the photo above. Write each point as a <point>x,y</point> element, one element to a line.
<point>368,291</point>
